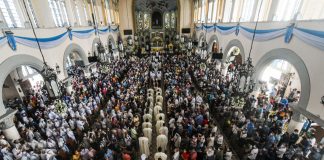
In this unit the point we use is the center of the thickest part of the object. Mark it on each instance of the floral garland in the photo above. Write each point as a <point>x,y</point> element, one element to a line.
<point>238,102</point>
<point>60,107</point>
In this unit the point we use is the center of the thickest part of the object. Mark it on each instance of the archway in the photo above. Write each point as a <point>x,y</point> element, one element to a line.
<point>12,63</point>
<point>95,44</point>
<point>111,43</point>
<point>201,39</point>
<point>280,78</point>
<point>20,83</point>
<point>233,55</point>
<point>300,67</point>
<point>229,46</point>
<point>74,55</point>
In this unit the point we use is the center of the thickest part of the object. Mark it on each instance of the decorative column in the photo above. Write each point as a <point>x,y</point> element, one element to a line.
<point>296,122</point>
<point>7,125</point>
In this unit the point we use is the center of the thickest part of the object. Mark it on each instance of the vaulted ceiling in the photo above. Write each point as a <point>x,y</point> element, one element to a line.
<point>155,5</point>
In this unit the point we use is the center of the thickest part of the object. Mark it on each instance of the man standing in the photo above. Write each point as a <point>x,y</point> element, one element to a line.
<point>162,141</point>
<point>160,155</point>
<point>144,145</point>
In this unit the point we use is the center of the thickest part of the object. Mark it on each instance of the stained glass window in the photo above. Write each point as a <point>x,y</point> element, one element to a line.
<point>139,20</point>
<point>173,20</point>
<point>167,20</point>
<point>147,21</point>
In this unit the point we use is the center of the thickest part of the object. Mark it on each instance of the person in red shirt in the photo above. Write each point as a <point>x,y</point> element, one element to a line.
<point>185,155</point>
<point>126,156</point>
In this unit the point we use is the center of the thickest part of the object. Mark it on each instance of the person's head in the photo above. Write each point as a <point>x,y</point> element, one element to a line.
<point>296,131</point>
<point>159,149</point>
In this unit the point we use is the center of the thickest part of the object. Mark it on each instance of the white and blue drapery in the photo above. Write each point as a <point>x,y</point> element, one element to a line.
<point>108,29</point>
<point>311,37</point>
<point>262,35</point>
<point>54,41</point>
<point>83,33</point>
<point>44,43</point>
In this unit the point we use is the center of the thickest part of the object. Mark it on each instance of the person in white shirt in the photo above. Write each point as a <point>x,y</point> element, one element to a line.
<point>281,151</point>
<point>253,154</point>
<point>176,154</point>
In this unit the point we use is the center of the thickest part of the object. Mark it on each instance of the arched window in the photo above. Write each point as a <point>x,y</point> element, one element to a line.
<point>32,13</point>
<point>215,10</point>
<point>264,10</point>
<point>311,9</point>
<point>212,11</point>
<point>59,12</point>
<point>227,10</point>
<point>237,10</point>
<point>77,13</point>
<point>203,11</point>
<point>196,11</point>
<point>247,10</point>
<point>286,10</point>
<point>10,14</point>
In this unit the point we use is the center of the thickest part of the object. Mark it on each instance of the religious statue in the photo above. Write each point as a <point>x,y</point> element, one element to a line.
<point>215,48</point>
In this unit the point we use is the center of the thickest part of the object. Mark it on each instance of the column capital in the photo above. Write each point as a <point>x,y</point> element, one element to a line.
<point>7,119</point>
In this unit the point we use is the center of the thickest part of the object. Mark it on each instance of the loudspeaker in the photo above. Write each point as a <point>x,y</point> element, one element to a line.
<point>93,59</point>
<point>217,55</point>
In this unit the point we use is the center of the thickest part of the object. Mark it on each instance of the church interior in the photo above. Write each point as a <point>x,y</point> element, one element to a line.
<point>161,80</point>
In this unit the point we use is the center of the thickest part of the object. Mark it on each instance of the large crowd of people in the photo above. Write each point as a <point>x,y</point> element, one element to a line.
<point>256,125</point>
<point>158,107</point>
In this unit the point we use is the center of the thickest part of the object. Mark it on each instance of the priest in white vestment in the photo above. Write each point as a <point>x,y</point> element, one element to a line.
<point>148,134</point>
<point>164,130</point>
<point>160,116</point>
<point>162,141</point>
<point>157,110</point>
<point>144,145</point>
<point>160,156</point>
<point>147,116</point>
<point>158,125</point>
<point>146,125</point>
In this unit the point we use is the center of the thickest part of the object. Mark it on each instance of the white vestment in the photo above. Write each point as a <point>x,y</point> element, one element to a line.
<point>158,125</point>
<point>144,146</point>
<point>157,110</point>
<point>161,155</point>
<point>164,130</point>
<point>146,125</point>
<point>160,115</point>
<point>148,134</point>
<point>147,116</point>
<point>162,141</point>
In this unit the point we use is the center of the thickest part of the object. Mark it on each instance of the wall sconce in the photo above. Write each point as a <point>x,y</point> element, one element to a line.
<point>57,67</point>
